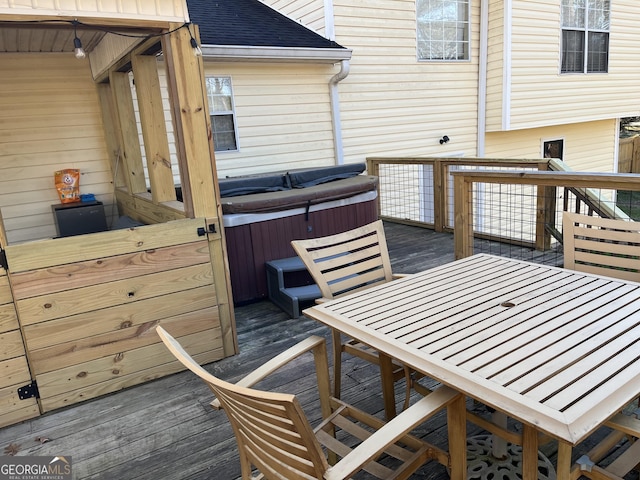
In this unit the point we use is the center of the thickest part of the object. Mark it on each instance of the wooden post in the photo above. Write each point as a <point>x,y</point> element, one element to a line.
<point>440,201</point>
<point>635,162</point>
<point>131,155</point>
<point>191,119</point>
<point>110,125</point>
<point>185,75</point>
<point>373,168</point>
<point>154,130</point>
<point>545,212</point>
<point>463,221</point>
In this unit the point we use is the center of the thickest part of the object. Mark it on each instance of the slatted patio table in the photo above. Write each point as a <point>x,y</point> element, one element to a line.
<point>552,348</point>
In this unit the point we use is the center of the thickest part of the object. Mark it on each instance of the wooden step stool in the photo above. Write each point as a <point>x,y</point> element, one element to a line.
<point>288,298</point>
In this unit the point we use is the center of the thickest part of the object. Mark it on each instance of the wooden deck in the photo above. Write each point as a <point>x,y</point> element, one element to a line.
<point>166,429</point>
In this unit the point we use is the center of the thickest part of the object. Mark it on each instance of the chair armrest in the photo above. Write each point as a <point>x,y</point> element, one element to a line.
<point>391,432</point>
<point>625,423</point>
<point>276,362</point>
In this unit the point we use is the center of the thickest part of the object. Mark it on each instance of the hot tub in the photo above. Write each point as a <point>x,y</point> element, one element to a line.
<point>275,209</point>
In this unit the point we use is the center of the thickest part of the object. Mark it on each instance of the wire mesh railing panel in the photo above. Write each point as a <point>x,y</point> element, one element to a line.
<point>456,168</point>
<point>508,207</point>
<point>406,192</point>
<point>506,222</point>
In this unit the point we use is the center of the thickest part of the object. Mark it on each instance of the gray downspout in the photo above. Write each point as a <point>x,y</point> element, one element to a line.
<point>335,110</point>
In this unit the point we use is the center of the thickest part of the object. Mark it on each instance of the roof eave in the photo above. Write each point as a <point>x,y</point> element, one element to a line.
<point>275,54</point>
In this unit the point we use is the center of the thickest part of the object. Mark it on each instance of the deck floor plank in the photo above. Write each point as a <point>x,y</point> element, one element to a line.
<point>166,429</point>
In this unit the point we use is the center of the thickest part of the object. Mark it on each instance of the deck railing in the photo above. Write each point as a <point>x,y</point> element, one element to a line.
<point>503,202</point>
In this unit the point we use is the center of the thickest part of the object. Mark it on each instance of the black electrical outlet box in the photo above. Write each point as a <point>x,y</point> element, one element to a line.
<point>78,218</point>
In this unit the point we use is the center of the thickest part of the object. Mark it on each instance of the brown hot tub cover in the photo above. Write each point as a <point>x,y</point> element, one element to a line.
<point>299,197</point>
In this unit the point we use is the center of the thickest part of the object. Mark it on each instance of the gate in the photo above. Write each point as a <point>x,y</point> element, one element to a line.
<point>87,307</point>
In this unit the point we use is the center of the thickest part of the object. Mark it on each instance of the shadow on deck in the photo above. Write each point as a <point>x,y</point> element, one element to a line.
<point>166,428</point>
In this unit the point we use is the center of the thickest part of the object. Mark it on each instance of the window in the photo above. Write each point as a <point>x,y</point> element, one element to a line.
<point>553,149</point>
<point>223,122</point>
<point>585,36</point>
<point>443,29</point>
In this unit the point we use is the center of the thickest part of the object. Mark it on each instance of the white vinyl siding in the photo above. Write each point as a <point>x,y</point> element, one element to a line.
<point>539,96</point>
<point>310,13</point>
<point>495,65</point>
<point>588,147</point>
<point>390,103</point>
<point>41,132</point>
<point>283,117</point>
<point>169,10</point>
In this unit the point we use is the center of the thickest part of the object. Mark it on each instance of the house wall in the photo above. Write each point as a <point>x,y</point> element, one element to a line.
<point>496,51</point>
<point>539,95</point>
<point>171,10</point>
<point>588,147</point>
<point>392,104</point>
<point>283,117</point>
<point>44,129</point>
<point>311,13</point>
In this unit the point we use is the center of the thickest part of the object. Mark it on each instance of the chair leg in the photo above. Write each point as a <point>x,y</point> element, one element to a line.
<point>337,362</point>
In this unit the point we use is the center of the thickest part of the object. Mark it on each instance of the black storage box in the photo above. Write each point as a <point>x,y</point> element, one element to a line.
<point>78,218</point>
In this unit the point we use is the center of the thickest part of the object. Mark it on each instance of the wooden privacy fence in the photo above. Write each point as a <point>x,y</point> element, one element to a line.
<point>85,309</point>
<point>629,155</point>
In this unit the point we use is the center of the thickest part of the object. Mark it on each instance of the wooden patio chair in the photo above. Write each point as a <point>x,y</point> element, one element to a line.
<point>275,438</point>
<point>624,436</point>
<point>609,247</point>
<point>346,263</point>
<point>602,246</point>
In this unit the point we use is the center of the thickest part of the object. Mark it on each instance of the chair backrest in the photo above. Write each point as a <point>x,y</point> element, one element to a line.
<point>348,261</point>
<point>601,245</point>
<point>271,429</point>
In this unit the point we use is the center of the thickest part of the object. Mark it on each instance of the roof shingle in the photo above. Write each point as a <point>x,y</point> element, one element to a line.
<point>251,23</point>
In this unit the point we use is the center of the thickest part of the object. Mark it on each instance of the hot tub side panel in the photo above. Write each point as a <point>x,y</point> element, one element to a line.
<point>250,246</point>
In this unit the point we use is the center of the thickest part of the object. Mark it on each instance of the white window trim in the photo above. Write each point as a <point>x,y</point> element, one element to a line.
<point>448,60</point>
<point>553,139</point>
<point>232,112</point>
<point>586,31</point>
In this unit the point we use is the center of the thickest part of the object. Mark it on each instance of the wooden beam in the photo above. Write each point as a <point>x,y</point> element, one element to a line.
<point>154,130</point>
<point>110,125</point>
<point>132,155</point>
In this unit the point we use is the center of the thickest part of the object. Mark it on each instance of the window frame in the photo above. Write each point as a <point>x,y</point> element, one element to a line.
<point>463,44</point>
<point>222,113</point>
<point>549,145</point>
<point>586,33</point>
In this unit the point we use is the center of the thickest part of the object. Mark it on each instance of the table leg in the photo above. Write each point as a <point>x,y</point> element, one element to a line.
<point>388,390</point>
<point>563,468</point>
<point>457,432</point>
<point>499,444</point>
<point>529,453</point>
